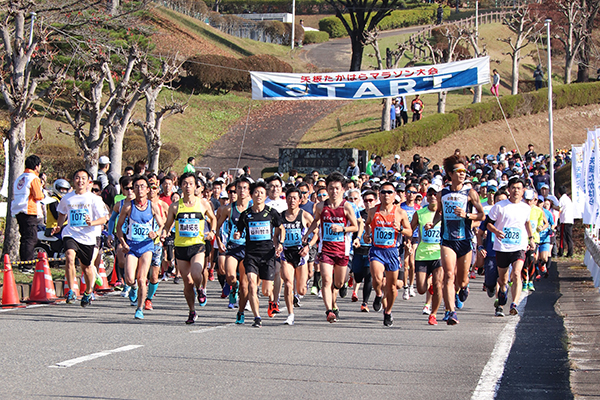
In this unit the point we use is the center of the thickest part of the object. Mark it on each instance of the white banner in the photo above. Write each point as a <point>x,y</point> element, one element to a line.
<point>361,85</point>
<point>577,193</point>
<point>589,209</point>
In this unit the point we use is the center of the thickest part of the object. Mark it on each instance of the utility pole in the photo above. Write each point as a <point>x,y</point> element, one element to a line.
<point>293,21</point>
<point>550,124</point>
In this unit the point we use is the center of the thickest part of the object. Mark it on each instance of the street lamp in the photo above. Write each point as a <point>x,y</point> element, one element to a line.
<point>550,124</point>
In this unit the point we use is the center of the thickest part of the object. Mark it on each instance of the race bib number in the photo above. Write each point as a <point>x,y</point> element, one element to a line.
<point>189,227</point>
<point>431,236</point>
<point>259,230</point>
<point>139,232</point>
<point>292,238</point>
<point>329,235</point>
<point>77,217</point>
<point>449,206</point>
<point>512,236</point>
<point>384,236</point>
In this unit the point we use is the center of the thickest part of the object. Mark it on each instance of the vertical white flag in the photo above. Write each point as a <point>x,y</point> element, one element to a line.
<point>590,187</point>
<point>577,194</point>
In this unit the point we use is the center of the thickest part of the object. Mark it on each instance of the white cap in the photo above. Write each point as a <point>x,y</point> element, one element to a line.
<point>529,194</point>
<point>396,157</point>
<point>435,187</point>
<point>104,160</point>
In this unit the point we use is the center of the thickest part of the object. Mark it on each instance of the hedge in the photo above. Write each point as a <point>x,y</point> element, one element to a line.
<point>435,127</point>
<point>315,37</point>
<point>397,19</point>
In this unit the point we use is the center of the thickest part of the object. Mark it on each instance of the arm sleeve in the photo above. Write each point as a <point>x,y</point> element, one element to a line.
<point>112,222</point>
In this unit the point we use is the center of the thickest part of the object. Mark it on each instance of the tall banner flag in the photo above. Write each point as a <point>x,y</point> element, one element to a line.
<point>595,179</point>
<point>375,84</point>
<point>590,184</point>
<point>577,194</point>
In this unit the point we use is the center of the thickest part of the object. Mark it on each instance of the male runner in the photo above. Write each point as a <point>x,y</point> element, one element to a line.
<point>145,221</point>
<point>383,227</point>
<point>157,253</point>
<point>86,214</point>
<point>538,223</point>
<point>189,215</point>
<point>337,222</point>
<point>361,267</point>
<point>410,245</point>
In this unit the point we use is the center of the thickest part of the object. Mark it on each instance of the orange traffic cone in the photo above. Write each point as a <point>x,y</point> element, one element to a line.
<point>75,288</point>
<point>82,285</point>
<point>104,287</point>
<point>42,290</point>
<point>10,296</point>
<point>113,275</point>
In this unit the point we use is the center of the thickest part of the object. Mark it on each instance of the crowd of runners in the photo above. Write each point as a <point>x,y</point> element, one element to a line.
<point>397,234</point>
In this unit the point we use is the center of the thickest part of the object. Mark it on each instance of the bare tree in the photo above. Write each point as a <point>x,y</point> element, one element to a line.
<point>454,37</point>
<point>521,23</point>
<point>151,127</point>
<point>473,40</point>
<point>573,32</point>
<point>591,8</point>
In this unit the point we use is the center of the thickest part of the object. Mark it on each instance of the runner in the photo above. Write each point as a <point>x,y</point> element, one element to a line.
<point>275,201</point>
<point>157,253</point>
<point>509,221</point>
<point>295,255</point>
<point>361,267</point>
<point>223,235</point>
<point>127,194</point>
<point>145,222</point>
<point>383,227</point>
<point>410,244</point>
<point>235,249</point>
<point>546,238</point>
<point>264,237</point>
<point>189,215</point>
<point>427,255</point>
<point>86,214</point>
<point>538,223</point>
<point>337,222</point>
<point>455,211</point>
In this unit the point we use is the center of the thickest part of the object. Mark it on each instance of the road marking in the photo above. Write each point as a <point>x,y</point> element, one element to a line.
<point>70,363</point>
<point>21,308</point>
<point>489,382</point>
<point>212,329</point>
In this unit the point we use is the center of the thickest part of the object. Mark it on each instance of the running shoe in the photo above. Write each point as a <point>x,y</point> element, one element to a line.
<point>276,308</point>
<point>377,304</point>
<point>446,316</point>
<point>513,309</point>
<point>364,307</point>
<point>226,290</point>
<point>211,274</point>
<point>176,280</point>
<point>247,307</point>
<point>432,320</point>
<point>337,314</point>
<point>240,319</point>
<point>530,287</point>
<point>233,293</point>
<point>388,320</point>
<point>344,291</point>
<point>192,318</point>
<point>330,316</point>
<point>411,291</point>
<point>98,281</point>
<point>86,299</point>
<point>133,295</point>
<point>119,285</point>
<point>354,297</point>
<point>202,297</point>
<point>472,275</point>
<point>320,295</point>
<point>351,282</point>
<point>231,306</point>
<point>71,297</point>
<point>125,291</point>
<point>314,290</point>
<point>257,322</point>
<point>452,318</point>
<point>270,310</point>
<point>426,309</point>
<point>484,287</point>
<point>139,314</point>
<point>491,291</point>
<point>290,320</point>
<point>463,293</point>
<point>406,294</point>
<point>430,289</point>
<point>148,305</point>
<point>524,285</point>
<point>499,311</point>
<point>297,301</point>
<point>459,304</point>
<point>502,297</point>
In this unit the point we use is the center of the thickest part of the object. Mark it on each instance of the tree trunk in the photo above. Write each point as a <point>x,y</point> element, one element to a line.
<point>357,54</point>
<point>386,124</point>
<point>568,68</point>
<point>15,165</point>
<point>115,150</point>
<point>153,158</point>
<point>442,102</point>
<point>477,94</point>
<point>515,72</point>
<point>583,71</point>
<point>113,6</point>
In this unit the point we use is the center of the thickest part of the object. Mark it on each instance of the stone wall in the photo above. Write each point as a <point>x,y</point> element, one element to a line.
<point>323,160</point>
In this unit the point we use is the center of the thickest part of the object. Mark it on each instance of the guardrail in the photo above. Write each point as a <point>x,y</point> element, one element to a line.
<point>592,255</point>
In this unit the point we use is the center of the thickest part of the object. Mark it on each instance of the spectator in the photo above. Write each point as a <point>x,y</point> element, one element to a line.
<point>440,14</point>
<point>419,164</point>
<point>128,171</point>
<point>401,112</point>
<point>103,166</point>
<point>417,107</point>
<point>370,163</point>
<point>495,83</point>
<point>26,207</point>
<point>566,223</point>
<point>139,168</point>
<point>352,169</point>
<point>190,167</point>
<point>378,168</point>
<point>538,75</point>
<point>396,166</point>
<point>393,115</point>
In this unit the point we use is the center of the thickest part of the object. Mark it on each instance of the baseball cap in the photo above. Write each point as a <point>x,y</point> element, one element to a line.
<point>541,198</point>
<point>434,186</point>
<point>223,195</point>
<point>490,157</point>
<point>544,186</point>
<point>104,160</point>
<point>396,157</point>
<point>479,171</point>
<point>529,194</point>
<point>401,187</point>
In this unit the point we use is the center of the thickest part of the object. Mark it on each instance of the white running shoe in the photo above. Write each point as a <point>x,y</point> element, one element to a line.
<point>125,291</point>
<point>406,294</point>
<point>411,291</point>
<point>320,295</point>
<point>248,308</point>
<point>427,309</point>
<point>290,320</point>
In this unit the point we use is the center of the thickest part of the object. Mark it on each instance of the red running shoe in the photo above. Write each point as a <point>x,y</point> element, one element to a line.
<point>351,282</point>
<point>354,297</point>
<point>211,274</point>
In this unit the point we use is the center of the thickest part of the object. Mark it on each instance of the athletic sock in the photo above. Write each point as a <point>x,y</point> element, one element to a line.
<point>152,290</point>
<point>222,279</point>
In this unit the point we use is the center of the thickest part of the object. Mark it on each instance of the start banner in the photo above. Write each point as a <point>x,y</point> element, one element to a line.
<point>361,85</point>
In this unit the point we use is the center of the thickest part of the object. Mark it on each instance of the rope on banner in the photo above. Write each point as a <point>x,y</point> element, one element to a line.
<point>507,124</point>
<point>244,137</point>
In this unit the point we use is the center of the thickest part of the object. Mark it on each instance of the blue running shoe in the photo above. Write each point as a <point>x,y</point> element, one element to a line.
<point>86,299</point>
<point>502,298</point>
<point>463,293</point>
<point>139,314</point>
<point>133,292</point>
<point>226,290</point>
<point>240,319</point>
<point>71,297</point>
<point>233,293</point>
<point>446,315</point>
<point>457,302</point>
<point>452,318</point>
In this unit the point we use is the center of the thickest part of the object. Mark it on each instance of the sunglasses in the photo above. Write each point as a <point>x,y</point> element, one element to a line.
<point>153,187</point>
<point>95,190</point>
<point>353,198</point>
<point>386,192</point>
<point>128,188</point>
<point>231,191</point>
<point>410,192</point>
<point>369,200</point>
<point>303,193</point>
<point>322,195</point>
<point>460,170</point>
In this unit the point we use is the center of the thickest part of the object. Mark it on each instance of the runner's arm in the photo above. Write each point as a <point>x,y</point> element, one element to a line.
<point>170,220</point>
<point>125,211</point>
<point>314,224</point>
<point>406,228</point>
<point>351,217</point>
<point>438,214</point>
<point>60,222</point>
<point>474,197</point>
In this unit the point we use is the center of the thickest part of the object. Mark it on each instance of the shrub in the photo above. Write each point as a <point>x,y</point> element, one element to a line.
<point>333,26</point>
<point>315,37</point>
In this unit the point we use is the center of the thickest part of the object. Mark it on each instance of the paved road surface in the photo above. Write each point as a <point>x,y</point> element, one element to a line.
<point>354,358</point>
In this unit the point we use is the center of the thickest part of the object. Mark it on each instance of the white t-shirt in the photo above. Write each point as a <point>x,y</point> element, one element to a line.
<point>566,210</point>
<point>76,207</point>
<point>510,218</point>
<point>278,205</point>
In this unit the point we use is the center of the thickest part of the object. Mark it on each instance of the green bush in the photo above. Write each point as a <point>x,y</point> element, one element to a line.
<point>435,127</point>
<point>315,37</point>
<point>333,26</point>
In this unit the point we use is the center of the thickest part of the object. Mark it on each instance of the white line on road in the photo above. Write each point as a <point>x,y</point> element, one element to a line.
<point>21,308</point>
<point>489,382</point>
<point>70,363</point>
<point>212,329</point>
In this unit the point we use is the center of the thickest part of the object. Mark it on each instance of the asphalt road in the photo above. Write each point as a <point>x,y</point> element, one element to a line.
<point>356,357</point>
